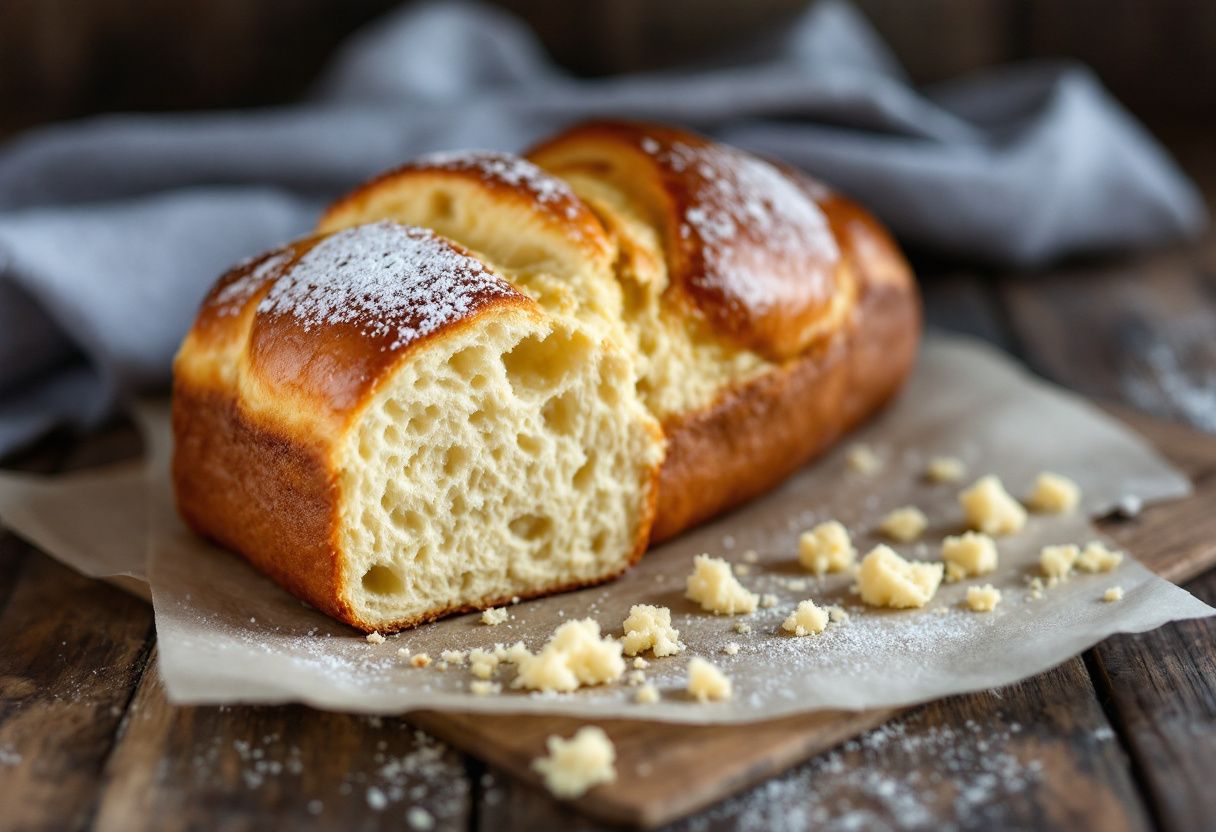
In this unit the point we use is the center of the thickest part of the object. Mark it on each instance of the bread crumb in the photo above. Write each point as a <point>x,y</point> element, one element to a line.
<point>826,548</point>
<point>731,648</point>
<point>837,615</point>
<point>807,620</point>
<point>1095,557</point>
<point>990,509</point>
<point>635,677</point>
<point>887,580</point>
<point>649,628</point>
<point>904,524</point>
<point>706,682</point>
<point>1036,588</point>
<point>578,764</point>
<point>375,638</point>
<point>455,657</point>
<point>495,616</point>
<point>482,663</point>
<point>862,459</point>
<point>715,588</point>
<point>420,660</point>
<point>945,469</point>
<point>515,599</point>
<point>970,553</point>
<point>575,655</point>
<point>647,694</point>
<point>1057,561</point>
<point>482,687</point>
<point>768,600</point>
<point>750,556</point>
<point>742,569</point>
<point>743,628</point>
<point>1054,494</point>
<point>1112,594</point>
<point>983,598</point>
<point>640,664</point>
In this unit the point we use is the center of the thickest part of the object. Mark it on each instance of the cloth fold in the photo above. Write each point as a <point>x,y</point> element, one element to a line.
<point>111,229</point>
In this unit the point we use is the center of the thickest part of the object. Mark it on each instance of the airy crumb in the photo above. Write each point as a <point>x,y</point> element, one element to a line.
<point>904,524</point>
<point>983,598</point>
<point>1057,561</point>
<point>1054,494</point>
<point>649,628</point>
<point>887,580</point>
<point>482,687</point>
<point>578,764</point>
<point>575,655</point>
<point>743,628</point>
<point>495,616</point>
<point>706,682</point>
<point>1112,594</point>
<point>970,553</point>
<point>807,620</point>
<point>420,660</point>
<point>768,600</point>
<point>1095,557</point>
<point>862,459</point>
<point>647,694</point>
<point>715,588</point>
<point>375,638</point>
<point>990,509</point>
<point>640,664</point>
<point>826,548</point>
<point>946,469</point>
<point>731,648</point>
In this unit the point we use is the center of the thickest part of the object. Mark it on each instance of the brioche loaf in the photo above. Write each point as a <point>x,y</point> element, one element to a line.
<point>631,332</point>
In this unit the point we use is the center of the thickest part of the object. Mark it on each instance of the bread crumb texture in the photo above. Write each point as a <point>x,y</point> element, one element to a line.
<point>647,694</point>
<point>862,459</point>
<point>1057,561</point>
<point>1095,557</point>
<point>807,619</point>
<point>970,553</point>
<point>983,598</point>
<point>1054,494</point>
<point>990,509</point>
<point>1112,594</point>
<point>945,469</point>
<point>887,580</point>
<point>574,656</point>
<point>375,638</point>
<point>420,660</point>
<point>706,682</point>
<point>649,628</point>
<point>904,524</point>
<point>731,648</point>
<point>576,765</point>
<point>715,588</point>
<point>826,548</point>
<point>495,616</point>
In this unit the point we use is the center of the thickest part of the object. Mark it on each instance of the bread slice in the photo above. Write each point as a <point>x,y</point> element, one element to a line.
<point>384,425</point>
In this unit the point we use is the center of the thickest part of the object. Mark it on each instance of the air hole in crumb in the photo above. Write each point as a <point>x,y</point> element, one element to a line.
<point>531,527</point>
<point>442,207</point>
<point>529,444</point>
<point>536,364</point>
<point>584,476</point>
<point>382,580</point>
<point>455,459</point>
<point>408,520</point>
<point>561,412</point>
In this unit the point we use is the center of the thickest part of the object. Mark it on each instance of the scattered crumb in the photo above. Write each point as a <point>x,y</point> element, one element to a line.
<point>750,556</point>
<point>1057,561</point>
<point>970,553</point>
<point>1112,594</point>
<point>768,600</point>
<point>640,664</point>
<point>826,548</point>
<point>904,524</point>
<point>990,509</point>
<point>635,677</point>
<point>515,599</point>
<point>649,628</point>
<point>375,638</point>
<point>887,580</point>
<point>495,616</point>
<point>715,588</point>
<point>983,598</point>
<point>742,569</point>
<point>578,764</point>
<point>807,620</point>
<point>483,687</point>
<point>743,628</point>
<point>575,655</point>
<point>455,657</point>
<point>706,682</point>
<point>1036,588</point>
<point>946,469</point>
<point>731,648</point>
<point>796,585</point>
<point>837,615</point>
<point>862,459</point>
<point>1095,557</point>
<point>482,663</point>
<point>647,694</point>
<point>1054,494</point>
<point>420,660</point>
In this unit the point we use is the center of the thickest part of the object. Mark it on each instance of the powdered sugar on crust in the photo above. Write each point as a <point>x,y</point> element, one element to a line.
<point>392,282</point>
<point>232,297</point>
<point>508,169</point>
<point>754,224</point>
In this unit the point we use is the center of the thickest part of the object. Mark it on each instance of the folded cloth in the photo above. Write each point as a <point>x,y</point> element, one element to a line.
<point>111,229</point>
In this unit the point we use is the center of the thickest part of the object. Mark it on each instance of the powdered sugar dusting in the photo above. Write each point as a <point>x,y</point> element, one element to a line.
<point>511,170</point>
<point>393,282</point>
<point>231,299</point>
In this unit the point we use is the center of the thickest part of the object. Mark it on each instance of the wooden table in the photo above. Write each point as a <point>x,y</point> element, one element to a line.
<point>1123,737</point>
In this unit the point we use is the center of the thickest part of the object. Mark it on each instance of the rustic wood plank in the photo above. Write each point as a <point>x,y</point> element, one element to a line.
<point>240,767</point>
<point>1160,690</point>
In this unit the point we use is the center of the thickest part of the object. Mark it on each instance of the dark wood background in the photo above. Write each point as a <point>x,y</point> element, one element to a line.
<point>64,58</point>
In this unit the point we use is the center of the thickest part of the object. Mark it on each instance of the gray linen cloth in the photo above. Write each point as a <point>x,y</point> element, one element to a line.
<point>111,229</point>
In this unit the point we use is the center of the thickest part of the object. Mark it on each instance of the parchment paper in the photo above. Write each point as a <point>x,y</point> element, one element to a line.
<point>226,634</point>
